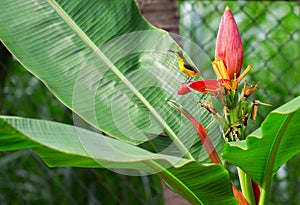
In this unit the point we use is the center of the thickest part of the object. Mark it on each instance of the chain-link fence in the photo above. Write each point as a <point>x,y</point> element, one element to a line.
<point>270,32</point>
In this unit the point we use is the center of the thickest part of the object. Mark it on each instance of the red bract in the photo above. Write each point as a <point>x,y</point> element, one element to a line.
<point>183,89</point>
<point>229,46</point>
<point>204,86</point>
<point>256,191</point>
<point>207,143</point>
<point>213,87</point>
<point>238,195</point>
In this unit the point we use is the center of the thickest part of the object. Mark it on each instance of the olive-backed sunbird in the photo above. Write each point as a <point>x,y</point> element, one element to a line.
<point>185,66</point>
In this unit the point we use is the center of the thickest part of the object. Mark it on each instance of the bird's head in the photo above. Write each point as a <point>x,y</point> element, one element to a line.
<point>179,54</point>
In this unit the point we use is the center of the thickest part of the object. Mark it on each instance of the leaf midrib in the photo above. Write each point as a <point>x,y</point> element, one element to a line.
<point>96,50</point>
<point>268,172</point>
<point>274,148</point>
<point>172,179</point>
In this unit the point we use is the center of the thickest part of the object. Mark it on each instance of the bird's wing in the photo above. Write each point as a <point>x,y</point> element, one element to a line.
<point>191,67</point>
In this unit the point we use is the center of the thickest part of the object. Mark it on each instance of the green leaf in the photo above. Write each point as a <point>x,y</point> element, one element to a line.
<point>65,145</point>
<point>56,143</point>
<point>107,64</point>
<point>268,148</point>
<point>209,183</point>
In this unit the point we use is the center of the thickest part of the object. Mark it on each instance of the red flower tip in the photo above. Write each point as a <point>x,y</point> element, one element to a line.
<point>183,89</point>
<point>213,87</point>
<point>204,86</point>
<point>229,46</point>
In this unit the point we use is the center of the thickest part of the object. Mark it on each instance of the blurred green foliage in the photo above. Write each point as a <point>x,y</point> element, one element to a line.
<point>25,179</point>
<point>270,32</point>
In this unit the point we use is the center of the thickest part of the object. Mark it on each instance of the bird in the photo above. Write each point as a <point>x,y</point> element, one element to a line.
<point>185,67</point>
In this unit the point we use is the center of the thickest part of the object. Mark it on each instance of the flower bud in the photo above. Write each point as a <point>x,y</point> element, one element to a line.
<point>229,46</point>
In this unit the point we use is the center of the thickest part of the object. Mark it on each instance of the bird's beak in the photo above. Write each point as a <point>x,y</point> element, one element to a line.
<point>171,51</point>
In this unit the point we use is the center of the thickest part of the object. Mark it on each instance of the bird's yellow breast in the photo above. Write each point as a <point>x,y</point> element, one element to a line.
<point>186,71</point>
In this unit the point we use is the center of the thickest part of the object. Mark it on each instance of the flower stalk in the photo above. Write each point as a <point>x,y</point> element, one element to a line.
<point>246,186</point>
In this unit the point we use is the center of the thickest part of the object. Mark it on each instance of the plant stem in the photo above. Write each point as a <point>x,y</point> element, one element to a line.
<point>246,186</point>
<point>264,196</point>
<point>171,180</point>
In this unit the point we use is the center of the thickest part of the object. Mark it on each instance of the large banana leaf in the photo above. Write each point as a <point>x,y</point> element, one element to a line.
<point>107,64</point>
<point>269,147</point>
<point>64,145</point>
